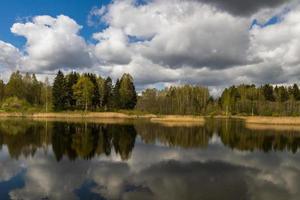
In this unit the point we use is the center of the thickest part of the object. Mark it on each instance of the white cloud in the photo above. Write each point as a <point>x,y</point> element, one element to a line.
<point>279,42</point>
<point>53,43</point>
<point>9,56</point>
<point>178,33</point>
<point>113,46</point>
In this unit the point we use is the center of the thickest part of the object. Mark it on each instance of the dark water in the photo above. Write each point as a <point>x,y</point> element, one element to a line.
<point>139,160</point>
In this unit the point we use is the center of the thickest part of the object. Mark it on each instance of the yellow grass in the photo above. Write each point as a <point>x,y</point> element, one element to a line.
<point>86,120</point>
<point>89,115</point>
<point>178,118</point>
<point>106,115</point>
<point>273,127</point>
<point>272,120</point>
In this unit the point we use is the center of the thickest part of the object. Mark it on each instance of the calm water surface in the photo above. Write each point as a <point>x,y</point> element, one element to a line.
<point>140,160</point>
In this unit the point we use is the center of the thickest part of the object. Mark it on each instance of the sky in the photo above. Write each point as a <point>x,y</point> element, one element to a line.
<point>213,43</point>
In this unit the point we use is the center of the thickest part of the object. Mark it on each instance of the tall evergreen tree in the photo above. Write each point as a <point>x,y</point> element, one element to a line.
<point>59,92</point>
<point>128,96</point>
<point>107,93</point>
<point>2,90</point>
<point>296,92</point>
<point>268,92</point>
<point>71,80</point>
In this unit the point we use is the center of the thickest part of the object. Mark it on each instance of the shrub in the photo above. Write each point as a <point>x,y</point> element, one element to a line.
<point>14,104</point>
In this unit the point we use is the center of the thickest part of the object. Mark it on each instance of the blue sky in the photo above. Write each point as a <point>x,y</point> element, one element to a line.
<point>14,10</point>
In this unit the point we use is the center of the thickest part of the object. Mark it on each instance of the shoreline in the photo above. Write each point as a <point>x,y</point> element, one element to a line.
<point>106,116</point>
<point>262,120</point>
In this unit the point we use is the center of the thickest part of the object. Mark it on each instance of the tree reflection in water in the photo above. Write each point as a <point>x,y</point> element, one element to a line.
<point>87,140</point>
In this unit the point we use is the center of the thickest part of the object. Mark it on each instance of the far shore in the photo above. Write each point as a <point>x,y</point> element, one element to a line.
<point>171,119</point>
<point>106,116</point>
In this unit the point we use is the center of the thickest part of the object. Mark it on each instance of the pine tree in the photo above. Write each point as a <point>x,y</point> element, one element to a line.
<point>71,80</point>
<point>107,93</point>
<point>296,92</point>
<point>59,92</point>
<point>2,90</point>
<point>128,96</point>
<point>268,92</point>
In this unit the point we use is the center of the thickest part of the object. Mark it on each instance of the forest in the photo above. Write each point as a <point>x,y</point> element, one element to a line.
<point>265,100</point>
<point>72,91</point>
<point>90,92</point>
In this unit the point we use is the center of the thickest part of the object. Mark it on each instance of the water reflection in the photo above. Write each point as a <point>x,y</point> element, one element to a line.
<point>87,140</point>
<point>139,160</point>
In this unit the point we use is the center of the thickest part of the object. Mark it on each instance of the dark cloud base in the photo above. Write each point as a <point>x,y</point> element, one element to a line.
<point>244,7</point>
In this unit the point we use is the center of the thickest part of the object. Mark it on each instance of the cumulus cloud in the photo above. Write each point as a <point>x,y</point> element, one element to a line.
<point>9,56</point>
<point>245,7</point>
<point>177,33</point>
<point>53,43</point>
<point>113,47</point>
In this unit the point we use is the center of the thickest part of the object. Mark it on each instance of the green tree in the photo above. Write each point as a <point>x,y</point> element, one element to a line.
<point>2,90</point>
<point>71,80</point>
<point>268,92</point>
<point>107,93</point>
<point>128,96</point>
<point>36,90</point>
<point>59,92</point>
<point>15,86</point>
<point>83,91</point>
<point>296,92</point>
<point>96,92</point>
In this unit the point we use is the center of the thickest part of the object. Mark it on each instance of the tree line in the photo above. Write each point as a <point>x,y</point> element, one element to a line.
<point>263,100</point>
<point>91,92</point>
<point>242,99</point>
<point>88,91</point>
<point>72,91</point>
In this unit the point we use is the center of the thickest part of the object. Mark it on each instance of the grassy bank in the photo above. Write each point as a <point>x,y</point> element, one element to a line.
<point>172,120</point>
<point>273,127</point>
<point>178,118</point>
<point>272,120</point>
<point>105,115</point>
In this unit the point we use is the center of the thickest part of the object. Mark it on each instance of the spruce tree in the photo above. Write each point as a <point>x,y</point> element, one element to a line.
<point>128,96</point>
<point>268,92</point>
<point>71,80</point>
<point>59,92</point>
<point>2,90</point>
<point>296,92</point>
<point>107,93</point>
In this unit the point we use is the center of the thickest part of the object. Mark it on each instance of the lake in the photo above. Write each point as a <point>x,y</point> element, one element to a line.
<point>221,159</point>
